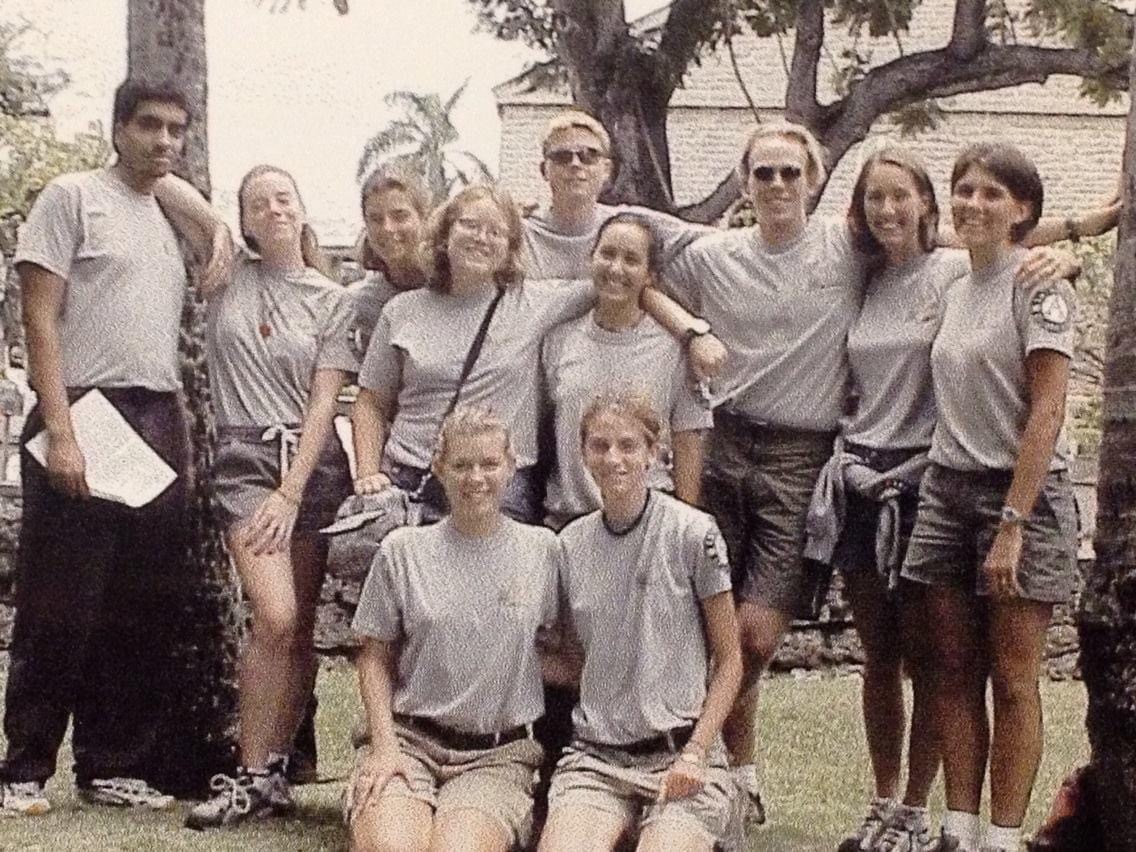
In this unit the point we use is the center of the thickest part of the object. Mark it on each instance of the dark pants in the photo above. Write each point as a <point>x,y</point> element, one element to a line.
<point>98,589</point>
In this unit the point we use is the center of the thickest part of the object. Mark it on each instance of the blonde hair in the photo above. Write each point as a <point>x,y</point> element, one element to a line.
<point>309,243</point>
<point>578,119</point>
<point>815,171</point>
<point>435,248</point>
<point>383,180</point>
<point>632,405</point>
<point>466,420</point>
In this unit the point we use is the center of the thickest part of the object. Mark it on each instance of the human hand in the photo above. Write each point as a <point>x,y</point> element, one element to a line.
<point>1001,565</point>
<point>374,483</point>
<point>1045,263</point>
<point>269,530</point>
<point>706,356</point>
<point>684,779</point>
<point>371,775</point>
<point>66,467</point>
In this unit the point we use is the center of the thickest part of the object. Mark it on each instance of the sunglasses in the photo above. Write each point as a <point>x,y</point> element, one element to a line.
<point>765,174</point>
<point>565,156</point>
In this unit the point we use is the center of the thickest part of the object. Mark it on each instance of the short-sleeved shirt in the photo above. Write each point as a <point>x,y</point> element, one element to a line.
<point>634,604</point>
<point>783,313</point>
<point>978,364</point>
<point>368,296</point>
<point>465,611</point>
<point>124,277</point>
<point>580,360</point>
<point>550,253</point>
<point>421,342</point>
<point>267,333</point>
<point>889,351</point>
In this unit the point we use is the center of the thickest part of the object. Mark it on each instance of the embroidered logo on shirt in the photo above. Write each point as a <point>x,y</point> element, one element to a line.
<point>715,548</point>
<point>1051,310</point>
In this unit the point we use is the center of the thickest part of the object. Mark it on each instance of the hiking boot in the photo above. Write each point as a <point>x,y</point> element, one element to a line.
<point>23,798</point>
<point>906,831</point>
<point>124,793</point>
<point>869,831</point>
<point>279,787</point>
<point>946,843</point>
<point>249,795</point>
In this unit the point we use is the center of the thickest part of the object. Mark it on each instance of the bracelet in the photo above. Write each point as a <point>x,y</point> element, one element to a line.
<point>1071,232</point>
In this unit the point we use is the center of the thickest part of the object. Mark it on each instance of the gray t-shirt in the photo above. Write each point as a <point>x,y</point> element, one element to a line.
<point>266,335</point>
<point>783,314</point>
<point>422,339</point>
<point>125,280</point>
<point>634,603</point>
<point>581,360</point>
<point>368,296</point>
<point>465,612</point>
<point>978,364</point>
<point>550,253</point>
<point>889,351</point>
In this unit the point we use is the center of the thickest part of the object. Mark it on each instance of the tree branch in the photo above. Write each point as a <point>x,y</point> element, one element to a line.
<point>711,208</point>
<point>968,32</point>
<point>690,25</point>
<point>801,95</point>
<point>588,40</point>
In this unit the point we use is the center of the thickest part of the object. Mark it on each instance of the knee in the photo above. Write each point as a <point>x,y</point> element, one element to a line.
<point>365,839</point>
<point>1012,689</point>
<point>277,626</point>
<point>760,641</point>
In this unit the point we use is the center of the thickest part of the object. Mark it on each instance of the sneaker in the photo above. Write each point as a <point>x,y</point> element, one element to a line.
<point>23,798</point>
<point>906,831</point>
<point>235,799</point>
<point>946,843</point>
<point>124,793</point>
<point>280,787</point>
<point>869,831</point>
<point>746,778</point>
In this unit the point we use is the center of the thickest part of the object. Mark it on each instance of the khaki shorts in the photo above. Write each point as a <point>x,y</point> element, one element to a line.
<point>626,786</point>
<point>497,782</point>
<point>959,514</point>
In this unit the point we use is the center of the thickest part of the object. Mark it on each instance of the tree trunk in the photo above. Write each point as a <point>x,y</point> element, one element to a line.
<point>166,40</point>
<point>1108,611</point>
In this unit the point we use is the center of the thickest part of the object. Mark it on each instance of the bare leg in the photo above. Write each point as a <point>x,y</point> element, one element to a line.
<point>960,694</point>
<point>672,837</point>
<point>924,749</point>
<point>1017,637</point>
<point>265,674</point>
<point>882,692</point>
<point>309,563</point>
<point>471,830</point>
<point>761,631</point>
<point>394,824</point>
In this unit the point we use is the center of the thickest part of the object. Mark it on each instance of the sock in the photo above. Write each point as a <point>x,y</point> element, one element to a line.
<point>1004,838</point>
<point>964,827</point>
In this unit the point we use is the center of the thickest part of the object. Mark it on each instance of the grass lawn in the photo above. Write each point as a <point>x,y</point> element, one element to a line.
<point>815,768</point>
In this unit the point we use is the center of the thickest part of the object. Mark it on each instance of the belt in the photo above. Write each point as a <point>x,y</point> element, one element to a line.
<point>673,740</point>
<point>738,421</point>
<point>461,741</point>
<point>882,460</point>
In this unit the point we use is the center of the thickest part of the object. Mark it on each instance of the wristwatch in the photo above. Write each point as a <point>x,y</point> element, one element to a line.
<point>1010,515</point>
<point>698,328</point>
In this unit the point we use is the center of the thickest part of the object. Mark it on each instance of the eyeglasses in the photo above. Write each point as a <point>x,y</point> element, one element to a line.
<point>565,156</point>
<point>765,174</point>
<point>473,226</point>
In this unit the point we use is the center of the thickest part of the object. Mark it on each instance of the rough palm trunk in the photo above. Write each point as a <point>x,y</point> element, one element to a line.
<point>166,39</point>
<point>1108,616</point>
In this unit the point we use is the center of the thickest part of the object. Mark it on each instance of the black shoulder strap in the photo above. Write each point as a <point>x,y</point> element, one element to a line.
<point>474,351</point>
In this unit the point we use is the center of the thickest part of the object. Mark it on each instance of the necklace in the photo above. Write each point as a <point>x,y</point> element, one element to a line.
<point>630,527</point>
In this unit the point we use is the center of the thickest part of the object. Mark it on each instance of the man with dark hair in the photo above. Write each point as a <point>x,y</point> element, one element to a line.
<point>99,583</point>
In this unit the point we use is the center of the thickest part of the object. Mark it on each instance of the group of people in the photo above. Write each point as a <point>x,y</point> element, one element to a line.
<point>560,392</point>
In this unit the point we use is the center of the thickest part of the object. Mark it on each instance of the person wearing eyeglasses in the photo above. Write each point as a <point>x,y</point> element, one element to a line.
<point>423,338</point>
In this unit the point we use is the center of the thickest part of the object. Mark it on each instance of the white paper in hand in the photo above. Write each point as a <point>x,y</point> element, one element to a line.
<point>121,466</point>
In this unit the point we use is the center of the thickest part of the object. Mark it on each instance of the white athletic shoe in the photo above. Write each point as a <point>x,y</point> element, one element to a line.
<point>23,798</point>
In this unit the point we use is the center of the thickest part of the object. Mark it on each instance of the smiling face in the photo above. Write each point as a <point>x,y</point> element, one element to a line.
<point>894,209</point>
<point>478,242</point>
<point>984,211</point>
<point>394,226</point>
<point>475,470</point>
<point>271,211</point>
<point>621,265</point>
<point>151,140</point>
<point>777,182</point>
<point>618,453</point>
<point>576,165</point>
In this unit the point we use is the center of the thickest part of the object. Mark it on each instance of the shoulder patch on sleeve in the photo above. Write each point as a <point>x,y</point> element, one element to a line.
<point>1050,309</point>
<point>715,547</point>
